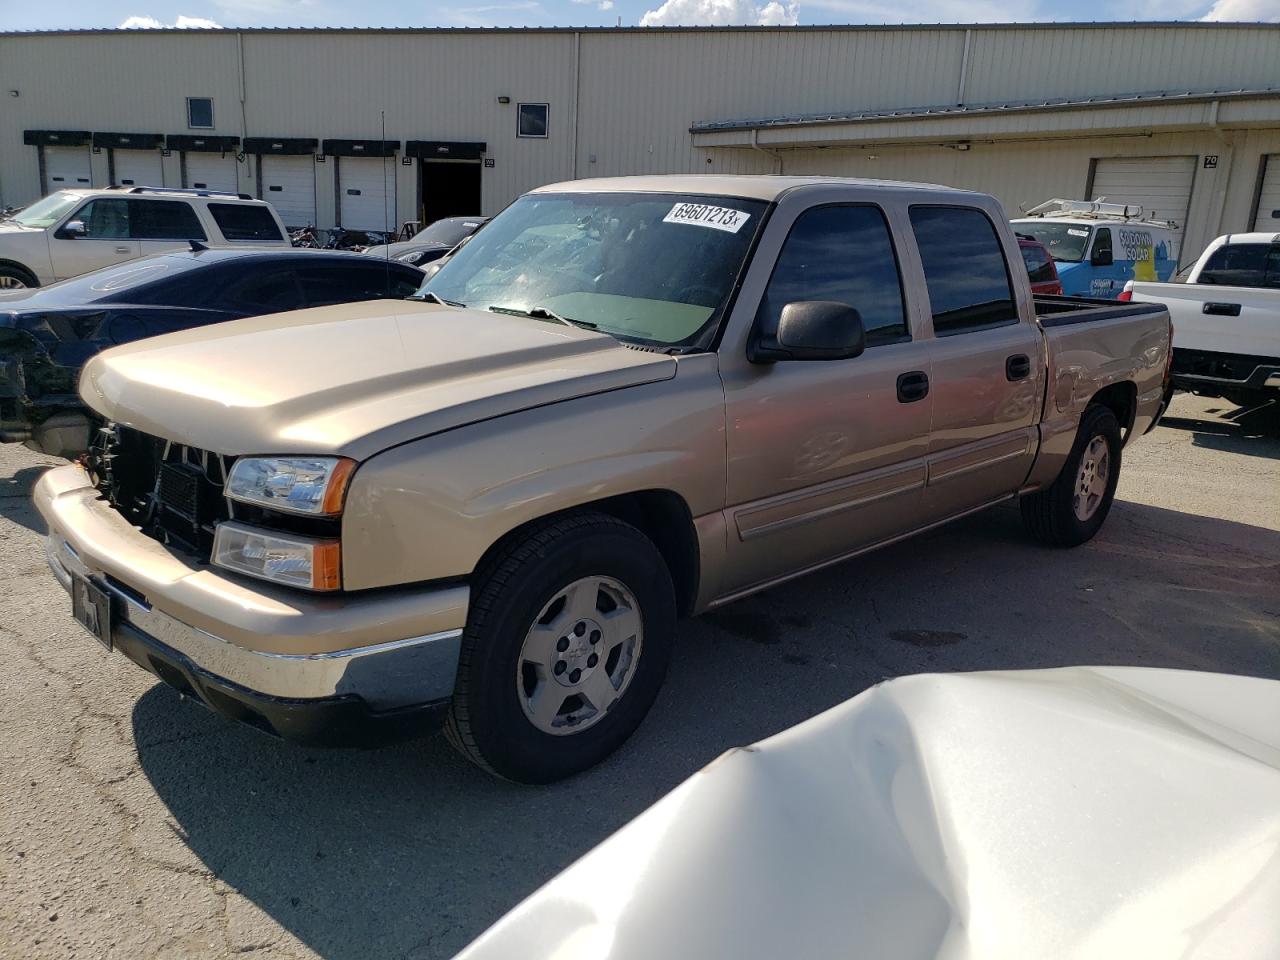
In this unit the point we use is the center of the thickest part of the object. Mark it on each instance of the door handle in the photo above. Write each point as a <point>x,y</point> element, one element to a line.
<point>1222,309</point>
<point>122,249</point>
<point>1017,367</point>
<point>913,386</point>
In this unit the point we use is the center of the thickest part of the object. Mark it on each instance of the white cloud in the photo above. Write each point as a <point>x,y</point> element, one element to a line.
<point>1266,11</point>
<point>598,4</point>
<point>605,5</point>
<point>182,23</point>
<point>933,11</point>
<point>722,13</point>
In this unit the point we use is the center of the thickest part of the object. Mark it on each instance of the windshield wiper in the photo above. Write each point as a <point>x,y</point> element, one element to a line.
<point>432,297</point>
<point>542,313</point>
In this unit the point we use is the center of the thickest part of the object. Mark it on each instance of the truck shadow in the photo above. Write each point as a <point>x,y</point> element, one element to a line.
<point>411,852</point>
<point>15,499</point>
<point>1254,431</point>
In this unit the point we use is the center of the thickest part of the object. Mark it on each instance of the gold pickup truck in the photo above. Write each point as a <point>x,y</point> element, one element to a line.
<point>622,402</point>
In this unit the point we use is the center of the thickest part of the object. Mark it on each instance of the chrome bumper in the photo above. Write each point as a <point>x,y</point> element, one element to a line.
<point>384,675</point>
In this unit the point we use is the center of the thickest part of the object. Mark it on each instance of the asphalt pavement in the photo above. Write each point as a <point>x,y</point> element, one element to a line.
<point>134,824</point>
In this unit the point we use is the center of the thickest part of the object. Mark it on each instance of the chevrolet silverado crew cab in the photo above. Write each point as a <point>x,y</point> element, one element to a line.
<point>624,401</point>
<point>1227,319</point>
<point>75,231</point>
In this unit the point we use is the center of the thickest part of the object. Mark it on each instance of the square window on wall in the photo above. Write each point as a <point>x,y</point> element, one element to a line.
<point>532,120</point>
<point>200,113</point>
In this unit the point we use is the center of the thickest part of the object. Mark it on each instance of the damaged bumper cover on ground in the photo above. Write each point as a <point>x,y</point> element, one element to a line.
<point>1101,812</point>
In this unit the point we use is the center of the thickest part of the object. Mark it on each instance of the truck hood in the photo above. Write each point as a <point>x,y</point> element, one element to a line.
<point>353,379</point>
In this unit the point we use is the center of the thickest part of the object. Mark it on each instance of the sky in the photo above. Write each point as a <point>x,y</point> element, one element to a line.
<point>142,14</point>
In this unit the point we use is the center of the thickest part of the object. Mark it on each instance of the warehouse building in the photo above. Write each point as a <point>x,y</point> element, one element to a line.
<point>371,128</point>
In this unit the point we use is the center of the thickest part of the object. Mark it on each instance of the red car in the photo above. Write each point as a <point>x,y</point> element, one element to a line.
<point>1040,266</point>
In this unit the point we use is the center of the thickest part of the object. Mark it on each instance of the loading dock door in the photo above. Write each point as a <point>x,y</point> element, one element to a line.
<point>367,193</point>
<point>138,168</point>
<point>449,188</point>
<point>211,171</point>
<point>1267,216</point>
<point>289,184</point>
<point>1162,185</point>
<point>66,168</point>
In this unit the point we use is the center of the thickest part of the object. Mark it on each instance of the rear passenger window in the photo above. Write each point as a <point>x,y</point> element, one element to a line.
<point>350,283</point>
<point>1243,265</point>
<point>1039,266</point>
<point>163,220</point>
<point>239,221</point>
<point>964,269</point>
<point>272,292</point>
<point>840,253</point>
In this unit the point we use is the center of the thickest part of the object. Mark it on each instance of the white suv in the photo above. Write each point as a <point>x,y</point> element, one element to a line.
<point>75,231</point>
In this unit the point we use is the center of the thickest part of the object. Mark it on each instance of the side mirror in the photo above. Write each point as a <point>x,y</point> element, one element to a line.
<point>813,330</point>
<point>72,229</point>
<point>1101,258</point>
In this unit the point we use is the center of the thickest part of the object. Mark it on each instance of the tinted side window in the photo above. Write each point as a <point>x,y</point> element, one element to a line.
<point>1102,241</point>
<point>105,219</point>
<point>964,269</point>
<point>272,291</point>
<point>1243,265</point>
<point>245,222</point>
<point>349,283</point>
<point>1039,266</point>
<point>163,220</point>
<point>840,253</point>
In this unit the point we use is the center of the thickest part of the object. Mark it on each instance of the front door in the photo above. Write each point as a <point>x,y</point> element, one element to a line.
<point>106,241</point>
<point>826,457</point>
<point>987,365</point>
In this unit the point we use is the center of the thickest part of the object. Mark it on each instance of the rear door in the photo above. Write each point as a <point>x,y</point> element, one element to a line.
<point>160,225</point>
<point>106,241</point>
<point>826,457</point>
<point>987,367</point>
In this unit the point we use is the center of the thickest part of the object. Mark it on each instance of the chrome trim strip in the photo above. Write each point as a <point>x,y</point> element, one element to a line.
<point>936,478</point>
<point>786,523</point>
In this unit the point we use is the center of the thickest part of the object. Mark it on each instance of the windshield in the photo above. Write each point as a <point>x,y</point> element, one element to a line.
<point>46,212</point>
<point>655,268</point>
<point>449,231</point>
<point>1067,242</point>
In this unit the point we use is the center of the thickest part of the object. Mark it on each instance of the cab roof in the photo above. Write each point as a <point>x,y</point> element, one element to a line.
<point>760,187</point>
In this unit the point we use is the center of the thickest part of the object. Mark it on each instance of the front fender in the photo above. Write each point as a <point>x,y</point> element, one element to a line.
<point>430,509</point>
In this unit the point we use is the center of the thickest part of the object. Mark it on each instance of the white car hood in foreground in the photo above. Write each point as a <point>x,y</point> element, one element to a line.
<point>1082,812</point>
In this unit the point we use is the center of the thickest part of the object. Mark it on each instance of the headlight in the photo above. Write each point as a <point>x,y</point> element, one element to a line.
<point>412,259</point>
<point>306,485</point>
<point>279,557</point>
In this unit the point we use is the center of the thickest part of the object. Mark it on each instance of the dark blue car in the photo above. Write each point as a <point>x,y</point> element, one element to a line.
<point>47,334</point>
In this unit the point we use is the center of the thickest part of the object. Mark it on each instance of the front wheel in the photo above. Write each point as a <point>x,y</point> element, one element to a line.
<point>567,642</point>
<point>1073,509</point>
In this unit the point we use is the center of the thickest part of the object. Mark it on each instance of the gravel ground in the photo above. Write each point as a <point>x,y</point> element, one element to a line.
<point>135,825</point>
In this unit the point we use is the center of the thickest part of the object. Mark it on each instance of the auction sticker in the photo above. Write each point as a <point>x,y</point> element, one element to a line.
<point>703,215</point>
<point>1078,233</point>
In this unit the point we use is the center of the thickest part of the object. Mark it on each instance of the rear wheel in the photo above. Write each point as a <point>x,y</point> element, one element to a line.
<point>15,278</point>
<point>1074,508</point>
<point>567,642</point>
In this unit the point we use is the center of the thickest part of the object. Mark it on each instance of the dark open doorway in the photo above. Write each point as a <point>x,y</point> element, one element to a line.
<point>449,188</point>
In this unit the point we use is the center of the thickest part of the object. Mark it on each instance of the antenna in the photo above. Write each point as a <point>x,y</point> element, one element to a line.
<point>386,217</point>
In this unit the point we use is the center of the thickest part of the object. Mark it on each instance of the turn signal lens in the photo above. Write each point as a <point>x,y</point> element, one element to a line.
<point>279,557</point>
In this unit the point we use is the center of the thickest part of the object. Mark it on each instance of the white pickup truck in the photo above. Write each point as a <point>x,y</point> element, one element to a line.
<point>1226,319</point>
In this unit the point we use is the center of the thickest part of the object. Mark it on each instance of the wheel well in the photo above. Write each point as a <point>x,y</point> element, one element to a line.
<point>28,274</point>
<point>661,515</point>
<point>1122,400</point>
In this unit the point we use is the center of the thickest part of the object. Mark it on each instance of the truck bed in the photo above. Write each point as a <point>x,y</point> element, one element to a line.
<point>1064,311</point>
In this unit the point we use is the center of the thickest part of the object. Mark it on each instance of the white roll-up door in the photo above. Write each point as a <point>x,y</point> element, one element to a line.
<point>66,168</point>
<point>289,185</point>
<point>211,171</point>
<point>1160,185</point>
<point>138,168</point>
<point>1267,216</point>
<point>367,193</point>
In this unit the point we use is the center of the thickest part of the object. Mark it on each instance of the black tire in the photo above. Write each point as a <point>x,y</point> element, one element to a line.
<point>12,271</point>
<point>1050,515</point>
<point>486,722</point>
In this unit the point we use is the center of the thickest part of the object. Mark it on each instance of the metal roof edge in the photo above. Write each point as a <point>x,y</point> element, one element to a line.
<point>740,28</point>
